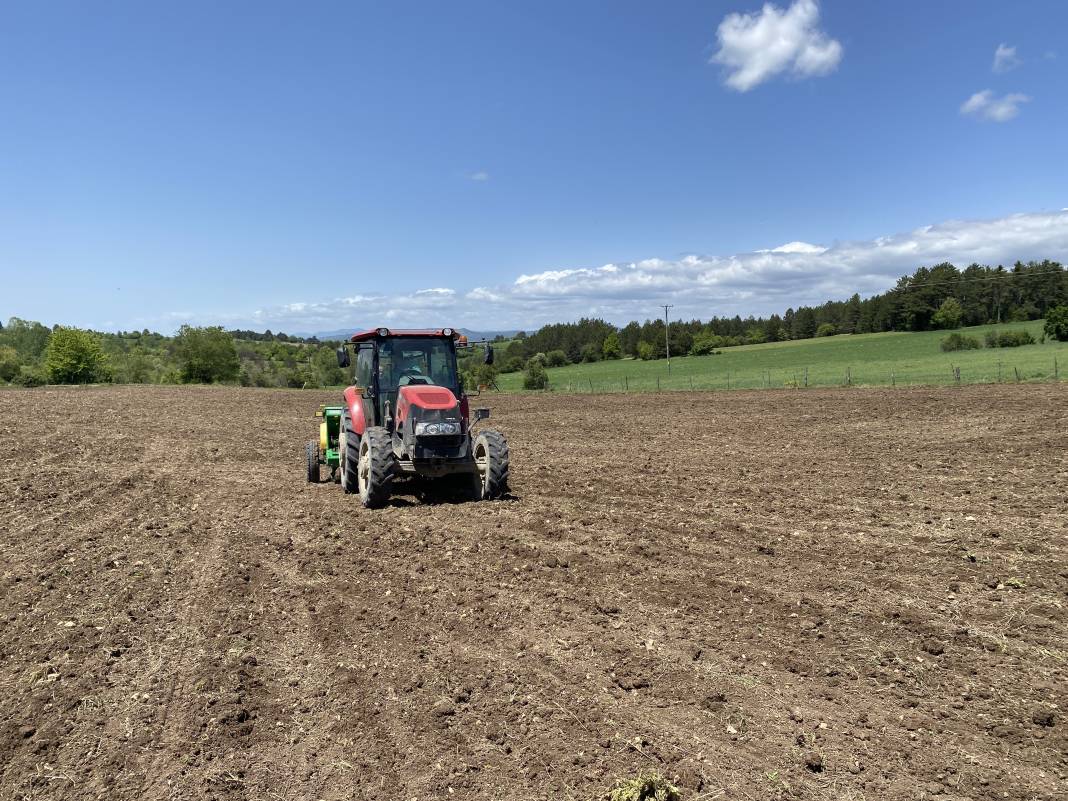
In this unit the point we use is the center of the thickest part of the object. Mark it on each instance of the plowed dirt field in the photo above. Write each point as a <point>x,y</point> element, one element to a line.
<point>854,594</point>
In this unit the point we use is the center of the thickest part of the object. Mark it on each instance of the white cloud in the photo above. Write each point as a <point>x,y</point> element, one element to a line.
<point>758,282</point>
<point>988,106</point>
<point>479,176</point>
<point>796,247</point>
<point>755,47</point>
<point>1005,58</point>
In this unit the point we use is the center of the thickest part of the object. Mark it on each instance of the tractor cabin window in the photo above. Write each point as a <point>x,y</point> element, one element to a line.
<point>405,361</point>
<point>365,366</point>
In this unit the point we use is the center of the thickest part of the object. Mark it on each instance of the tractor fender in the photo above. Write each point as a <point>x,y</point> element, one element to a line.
<point>354,403</point>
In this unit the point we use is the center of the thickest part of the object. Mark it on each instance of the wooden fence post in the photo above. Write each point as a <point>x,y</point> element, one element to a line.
<point>1017,371</point>
<point>999,371</point>
<point>806,376</point>
<point>658,383</point>
<point>893,379</point>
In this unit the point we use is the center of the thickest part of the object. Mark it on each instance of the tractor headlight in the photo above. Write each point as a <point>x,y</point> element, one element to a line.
<point>437,429</point>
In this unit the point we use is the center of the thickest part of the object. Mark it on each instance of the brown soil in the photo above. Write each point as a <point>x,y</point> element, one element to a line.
<point>853,594</point>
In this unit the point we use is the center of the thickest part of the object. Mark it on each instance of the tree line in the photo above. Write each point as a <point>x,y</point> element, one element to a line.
<point>942,296</point>
<point>32,354</point>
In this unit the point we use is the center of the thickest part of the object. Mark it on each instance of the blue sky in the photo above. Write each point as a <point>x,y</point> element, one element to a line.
<point>312,166</point>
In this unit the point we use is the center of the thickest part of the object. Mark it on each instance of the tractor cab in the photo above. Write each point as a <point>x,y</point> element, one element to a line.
<point>407,413</point>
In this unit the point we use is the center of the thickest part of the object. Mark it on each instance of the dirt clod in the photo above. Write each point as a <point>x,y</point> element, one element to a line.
<point>1043,717</point>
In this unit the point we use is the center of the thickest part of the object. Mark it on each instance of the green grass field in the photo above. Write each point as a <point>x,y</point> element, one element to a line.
<point>862,359</point>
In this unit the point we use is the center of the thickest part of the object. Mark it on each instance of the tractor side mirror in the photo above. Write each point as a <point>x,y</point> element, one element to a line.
<point>489,354</point>
<point>342,357</point>
<point>481,414</point>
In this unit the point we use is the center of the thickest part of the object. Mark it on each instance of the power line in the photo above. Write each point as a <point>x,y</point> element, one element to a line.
<point>996,277</point>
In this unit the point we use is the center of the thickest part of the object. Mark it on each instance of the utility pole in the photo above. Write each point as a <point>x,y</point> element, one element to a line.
<point>667,340</point>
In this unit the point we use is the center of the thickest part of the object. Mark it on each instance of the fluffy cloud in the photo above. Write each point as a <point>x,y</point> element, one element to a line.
<point>479,176</point>
<point>988,106</point>
<point>755,47</point>
<point>762,281</point>
<point>1005,58</point>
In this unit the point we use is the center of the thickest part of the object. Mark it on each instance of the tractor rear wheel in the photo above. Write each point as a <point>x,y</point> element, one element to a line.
<point>491,457</point>
<point>311,454</point>
<point>349,454</point>
<point>376,467</point>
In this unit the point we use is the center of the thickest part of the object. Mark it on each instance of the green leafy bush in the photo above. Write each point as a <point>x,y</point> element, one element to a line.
<point>1008,339</point>
<point>555,358</point>
<point>949,314</point>
<point>74,356</point>
<point>705,344</point>
<point>207,355</point>
<point>957,341</point>
<point>611,349</point>
<point>30,377</point>
<point>1057,323</point>
<point>513,364</point>
<point>9,363</point>
<point>826,330</point>
<point>535,376</point>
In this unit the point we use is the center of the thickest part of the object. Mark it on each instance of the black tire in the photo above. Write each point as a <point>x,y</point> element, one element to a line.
<point>377,465</point>
<point>490,450</point>
<point>348,455</point>
<point>311,455</point>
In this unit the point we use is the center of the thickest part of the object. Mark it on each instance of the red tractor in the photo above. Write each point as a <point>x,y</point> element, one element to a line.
<point>407,415</point>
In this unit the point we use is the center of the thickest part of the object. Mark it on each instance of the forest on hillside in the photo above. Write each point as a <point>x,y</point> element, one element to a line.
<point>977,295</point>
<point>942,296</point>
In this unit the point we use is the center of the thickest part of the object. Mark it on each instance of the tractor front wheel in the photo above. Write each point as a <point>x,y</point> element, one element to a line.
<point>491,457</point>
<point>348,454</point>
<point>376,467</point>
<point>311,454</point>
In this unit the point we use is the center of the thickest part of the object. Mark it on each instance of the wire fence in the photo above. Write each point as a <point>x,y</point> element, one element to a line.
<point>905,375</point>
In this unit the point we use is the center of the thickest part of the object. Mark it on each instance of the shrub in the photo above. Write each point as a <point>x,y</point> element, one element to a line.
<point>206,355</point>
<point>9,363</point>
<point>555,358</point>
<point>513,364</point>
<point>29,377</point>
<point>957,341</point>
<point>482,375</point>
<point>646,351</point>
<point>611,349</point>
<point>1057,323</point>
<point>74,356</point>
<point>826,330</point>
<point>535,376</point>
<point>590,353</point>
<point>705,344</point>
<point>1008,339</point>
<point>949,314</point>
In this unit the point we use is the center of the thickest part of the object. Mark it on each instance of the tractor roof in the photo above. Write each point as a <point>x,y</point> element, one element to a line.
<point>377,333</point>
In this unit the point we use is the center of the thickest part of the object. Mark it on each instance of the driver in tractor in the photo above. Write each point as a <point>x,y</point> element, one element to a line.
<point>412,373</point>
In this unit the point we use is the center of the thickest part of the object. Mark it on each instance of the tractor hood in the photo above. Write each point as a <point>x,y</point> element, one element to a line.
<point>426,402</point>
